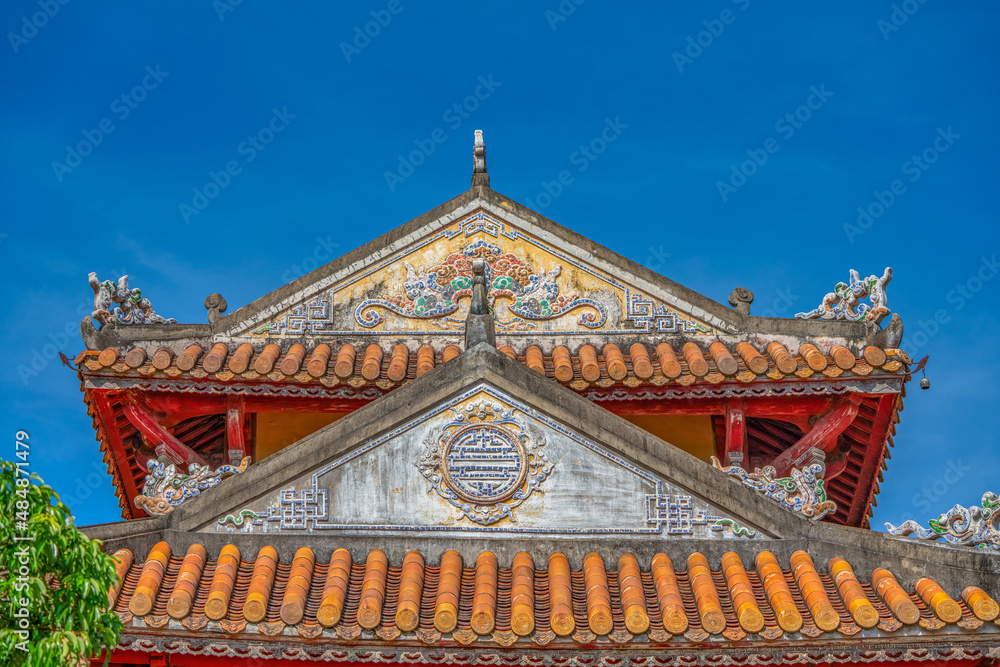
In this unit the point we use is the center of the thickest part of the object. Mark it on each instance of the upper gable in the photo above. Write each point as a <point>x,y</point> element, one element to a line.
<point>540,284</point>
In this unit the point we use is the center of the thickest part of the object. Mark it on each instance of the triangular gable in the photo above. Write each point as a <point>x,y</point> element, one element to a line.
<point>484,462</point>
<point>566,467</point>
<point>542,282</point>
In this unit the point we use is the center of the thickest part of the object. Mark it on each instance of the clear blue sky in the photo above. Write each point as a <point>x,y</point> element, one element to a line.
<point>693,90</point>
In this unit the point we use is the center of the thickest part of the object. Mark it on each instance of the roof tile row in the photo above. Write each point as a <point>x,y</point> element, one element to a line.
<point>610,365</point>
<point>505,603</point>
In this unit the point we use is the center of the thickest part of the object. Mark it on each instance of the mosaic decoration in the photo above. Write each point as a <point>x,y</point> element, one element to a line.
<point>165,488</point>
<point>484,462</point>
<point>677,513</point>
<point>801,492</point>
<point>844,302</point>
<point>967,526</point>
<point>422,289</point>
<point>132,308</point>
<point>435,292</point>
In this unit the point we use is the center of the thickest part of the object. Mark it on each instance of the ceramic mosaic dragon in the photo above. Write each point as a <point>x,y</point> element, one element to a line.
<point>969,526</point>
<point>435,292</point>
<point>844,302</point>
<point>802,491</point>
<point>165,488</point>
<point>132,308</point>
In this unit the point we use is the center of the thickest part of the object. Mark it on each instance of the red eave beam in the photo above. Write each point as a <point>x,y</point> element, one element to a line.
<point>163,441</point>
<point>823,435</point>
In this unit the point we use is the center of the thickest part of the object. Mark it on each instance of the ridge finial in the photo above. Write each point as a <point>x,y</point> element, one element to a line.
<point>479,175</point>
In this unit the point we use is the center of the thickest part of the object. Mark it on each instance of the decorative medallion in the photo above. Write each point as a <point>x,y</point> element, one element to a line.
<point>435,292</point>
<point>966,526</point>
<point>132,308</point>
<point>484,462</point>
<point>165,488</point>
<point>844,302</point>
<point>801,492</point>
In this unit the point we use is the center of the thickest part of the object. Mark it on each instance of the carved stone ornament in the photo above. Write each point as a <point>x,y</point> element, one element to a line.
<point>801,492</point>
<point>844,302</point>
<point>965,526</point>
<point>740,300</point>
<point>484,462</point>
<point>165,488</point>
<point>131,307</point>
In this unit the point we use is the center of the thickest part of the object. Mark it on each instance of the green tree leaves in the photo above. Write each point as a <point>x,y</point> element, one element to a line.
<point>54,580</point>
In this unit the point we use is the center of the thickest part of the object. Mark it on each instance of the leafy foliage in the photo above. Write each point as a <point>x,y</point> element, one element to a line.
<point>59,579</point>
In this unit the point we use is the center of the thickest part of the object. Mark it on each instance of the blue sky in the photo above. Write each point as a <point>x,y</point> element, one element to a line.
<point>831,106</point>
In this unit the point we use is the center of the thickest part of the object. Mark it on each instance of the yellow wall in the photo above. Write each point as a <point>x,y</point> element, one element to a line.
<point>692,433</point>
<point>277,430</point>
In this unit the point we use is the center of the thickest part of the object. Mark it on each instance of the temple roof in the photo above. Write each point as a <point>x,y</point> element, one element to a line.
<point>550,285</point>
<point>752,572</point>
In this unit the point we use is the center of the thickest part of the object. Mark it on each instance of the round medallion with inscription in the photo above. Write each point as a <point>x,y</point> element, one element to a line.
<point>484,463</point>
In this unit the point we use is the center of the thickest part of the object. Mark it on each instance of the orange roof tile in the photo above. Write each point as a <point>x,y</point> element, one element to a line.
<point>386,368</point>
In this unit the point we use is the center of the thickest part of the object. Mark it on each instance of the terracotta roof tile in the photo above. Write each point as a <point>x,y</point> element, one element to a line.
<point>495,603</point>
<point>742,362</point>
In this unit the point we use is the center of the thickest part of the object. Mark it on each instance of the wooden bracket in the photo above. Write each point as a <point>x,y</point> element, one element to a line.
<point>162,440</point>
<point>822,436</point>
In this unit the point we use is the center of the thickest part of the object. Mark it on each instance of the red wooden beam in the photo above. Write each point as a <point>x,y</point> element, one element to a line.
<point>736,434</point>
<point>823,435</point>
<point>236,429</point>
<point>163,441</point>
